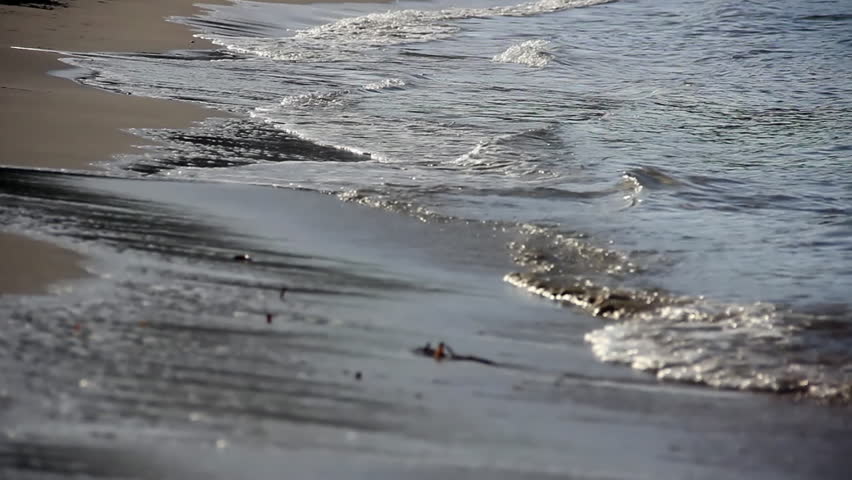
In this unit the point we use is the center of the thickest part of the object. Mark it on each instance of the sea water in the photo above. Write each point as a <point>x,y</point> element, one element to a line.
<point>681,169</point>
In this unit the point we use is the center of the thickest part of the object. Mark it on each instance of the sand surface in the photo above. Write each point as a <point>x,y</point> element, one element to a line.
<point>51,122</point>
<point>173,368</point>
<point>21,274</point>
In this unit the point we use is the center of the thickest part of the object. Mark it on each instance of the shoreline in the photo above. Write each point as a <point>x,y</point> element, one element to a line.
<point>52,122</point>
<point>192,351</point>
<point>83,125</point>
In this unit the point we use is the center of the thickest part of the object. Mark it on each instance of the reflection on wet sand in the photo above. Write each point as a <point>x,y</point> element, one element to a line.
<point>167,366</point>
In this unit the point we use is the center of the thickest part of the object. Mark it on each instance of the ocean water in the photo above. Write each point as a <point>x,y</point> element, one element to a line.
<point>672,178</point>
<point>681,169</point>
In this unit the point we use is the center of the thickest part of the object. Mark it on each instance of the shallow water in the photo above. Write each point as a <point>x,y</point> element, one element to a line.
<point>675,174</point>
<point>165,365</point>
<point>693,150</point>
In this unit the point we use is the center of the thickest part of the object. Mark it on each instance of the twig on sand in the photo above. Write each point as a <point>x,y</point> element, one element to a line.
<point>444,352</point>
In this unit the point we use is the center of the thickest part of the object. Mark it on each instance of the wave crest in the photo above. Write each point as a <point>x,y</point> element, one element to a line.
<point>759,347</point>
<point>350,36</point>
<point>534,53</point>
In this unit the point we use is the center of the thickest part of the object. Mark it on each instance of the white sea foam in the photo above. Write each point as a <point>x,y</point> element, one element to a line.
<point>346,37</point>
<point>335,97</point>
<point>315,99</point>
<point>469,158</point>
<point>725,346</point>
<point>731,346</point>
<point>263,113</point>
<point>386,84</point>
<point>535,53</point>
<point>507,153</point>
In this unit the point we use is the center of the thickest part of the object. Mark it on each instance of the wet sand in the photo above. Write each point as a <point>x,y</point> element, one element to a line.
<point>172,369</point>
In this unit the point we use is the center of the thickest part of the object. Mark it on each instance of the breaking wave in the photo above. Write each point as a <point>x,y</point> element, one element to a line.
<point>336,97</point>
<point>386,84</point>
<point>533,53</point>
<point>339,40</point>
<point>759,346</point>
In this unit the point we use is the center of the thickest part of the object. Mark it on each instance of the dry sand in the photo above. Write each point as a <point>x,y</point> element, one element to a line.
<point>47,121</point>
<point>52,122</point>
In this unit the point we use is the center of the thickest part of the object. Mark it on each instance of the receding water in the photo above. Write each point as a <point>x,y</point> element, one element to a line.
<point>695,152</point>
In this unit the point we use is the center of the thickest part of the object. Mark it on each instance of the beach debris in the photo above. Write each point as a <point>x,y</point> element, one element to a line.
<point>445,352</point>
<point>438,353</point>
<point>442,351</point>
<point>243,257</point>
<point>269,317</point>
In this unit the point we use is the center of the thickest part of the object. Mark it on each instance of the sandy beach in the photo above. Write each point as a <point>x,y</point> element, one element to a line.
<point>264,303</point>
<point>51,122</point>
